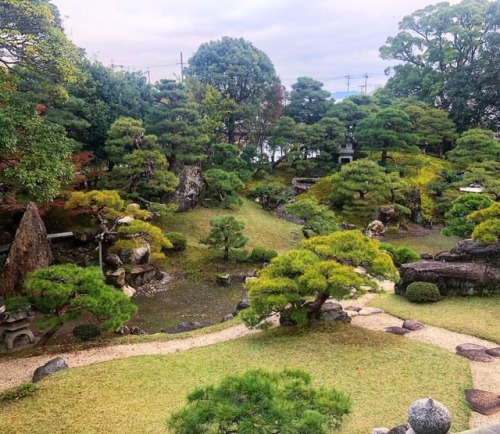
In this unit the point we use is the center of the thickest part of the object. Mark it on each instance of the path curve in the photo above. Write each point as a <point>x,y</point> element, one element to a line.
<point>485,376</point>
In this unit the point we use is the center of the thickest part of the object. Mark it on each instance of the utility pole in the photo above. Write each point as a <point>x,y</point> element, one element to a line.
<point>361,89</point>
<point>149,75</point>
<point>366,83</point>
<point>182,69</point>
<point>348,83</point>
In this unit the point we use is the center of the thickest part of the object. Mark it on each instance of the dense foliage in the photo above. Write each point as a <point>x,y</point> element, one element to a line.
<point>422,292</point>
<point>226,233</point>
<point>262,402</point>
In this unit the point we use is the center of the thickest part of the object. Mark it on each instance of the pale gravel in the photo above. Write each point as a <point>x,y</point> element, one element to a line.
<point>485,376</point>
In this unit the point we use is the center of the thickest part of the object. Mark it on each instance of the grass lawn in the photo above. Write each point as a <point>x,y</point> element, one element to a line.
<point>476,316</point>
<point>381,372</point>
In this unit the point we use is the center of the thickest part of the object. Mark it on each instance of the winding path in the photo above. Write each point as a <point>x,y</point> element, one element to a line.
<point>485,375</point>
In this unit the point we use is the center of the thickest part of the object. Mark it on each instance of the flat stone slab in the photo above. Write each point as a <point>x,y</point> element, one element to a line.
<point>366,311</point>
<point>466,347</point>
<point>413,325</point>
<point>351,313</point>
<point>483,402</point>
<point>397,331</point>
<point>476,355</point>
<point>355,309</point>
<point>494,352</point>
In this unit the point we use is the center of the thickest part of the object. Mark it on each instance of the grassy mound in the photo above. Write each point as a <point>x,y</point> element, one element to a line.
<point>381,372</point>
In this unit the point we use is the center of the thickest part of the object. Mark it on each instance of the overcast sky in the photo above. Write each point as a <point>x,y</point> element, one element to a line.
<point>322,39</point>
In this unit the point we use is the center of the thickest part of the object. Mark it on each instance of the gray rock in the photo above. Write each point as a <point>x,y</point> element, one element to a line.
<point>427,416</point>
<point>185,327</point>
<point>468,250</point>
<point>228,317</point>
<point>123,330</point>
<point>483,402</point>
<point>192,184</point>
<point>386,214</point>
<point>452,278</point>
<point>380,430</point>
<point>397,331</point>
<point>116,277</point>
<point>352,313</point>
<point>494,352</point>
<point>51,367</point>
<point>413,325</point>
<point>400,429</point>
<point>223,279</point>
<point>137,331</point>
<point>139,255</point>
<point>353,308</point>
<point>29,251</point>
<point>476,355</point>
<point>375,229</point>
<point>336,315</point>
<point>142,274</point>
<point>366,311</point>
<point>468,346</point>
<point>329,306</point>
<point>113,261</point>
<point>243,304</point>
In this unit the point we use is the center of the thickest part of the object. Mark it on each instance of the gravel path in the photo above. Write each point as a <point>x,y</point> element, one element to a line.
<point>485,376</point>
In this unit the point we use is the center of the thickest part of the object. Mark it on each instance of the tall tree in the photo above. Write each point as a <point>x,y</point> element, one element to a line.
<point>308,101</point>
<point>241,72</point>
<point>443,48</point>
<point>385,131</point>
<point>175,121</point>
<point>32,39</point>
<point>33,152</point>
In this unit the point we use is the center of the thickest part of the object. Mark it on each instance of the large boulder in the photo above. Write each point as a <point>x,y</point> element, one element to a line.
<point>452,278</point>
<point>51,367</point>
<point>469,251</point>
<point>137,255</point>
<point>427,416</point>
<point>375,229</point>
<point>414,203</point>
<point>29,251</point>
<point>192,184</point>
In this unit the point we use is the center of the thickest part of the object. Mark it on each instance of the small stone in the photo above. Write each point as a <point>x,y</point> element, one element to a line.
<point>470,347</point>
<point>353,309</point>
<point>494,352</point>
<point>137,331</point>
<point>51,367</point>
<point>243,304</point>
<point>128,291</point>
<point>429,417</point>
<point>400,429</point>
<point>366,311</point>
<point>483,402</point>
<point>223,279</point>
<point>380,430</point>
<point>331,306</point>
<point>476,355</point>
<point>413,325</point>
<point>123,330</point>
<point>397,331</point>
<point>228,317</point>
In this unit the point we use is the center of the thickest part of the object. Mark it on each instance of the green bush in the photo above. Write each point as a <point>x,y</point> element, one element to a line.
<point>86,332</point>
<point>23,390</point>
<point>422,292</point>
<point>17,304</point>
<point>260,255</point>
<point>178,240</point>
<point>401,255</point>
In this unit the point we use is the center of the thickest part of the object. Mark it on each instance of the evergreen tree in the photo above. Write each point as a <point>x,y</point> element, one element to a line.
<point>226,233</point>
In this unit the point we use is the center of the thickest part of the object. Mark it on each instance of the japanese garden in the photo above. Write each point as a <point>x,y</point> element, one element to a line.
<point>220,253</point>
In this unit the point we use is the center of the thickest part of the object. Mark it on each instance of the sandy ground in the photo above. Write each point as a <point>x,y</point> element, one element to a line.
<point>485,376</point>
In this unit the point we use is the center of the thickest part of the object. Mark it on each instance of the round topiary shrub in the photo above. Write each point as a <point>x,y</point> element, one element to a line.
<point>260,254</point>
<point>86,332</point>
<point>422,292</point>
<point>178,240</point>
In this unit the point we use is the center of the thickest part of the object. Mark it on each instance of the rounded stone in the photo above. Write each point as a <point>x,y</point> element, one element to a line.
<point>427,416</point>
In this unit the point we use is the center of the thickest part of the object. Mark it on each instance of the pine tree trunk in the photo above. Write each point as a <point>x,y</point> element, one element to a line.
<point>315,308</point>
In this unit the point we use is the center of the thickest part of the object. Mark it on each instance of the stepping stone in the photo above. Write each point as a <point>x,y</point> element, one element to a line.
<point>413,324</point>
<point>353,308</point>
<point>351,313</point>
<point>483,402</point>
<point>400,429</point>
<point>495,352</point>
<point>366,311</point>
<point>475,355</point>
<point>470,347</point>
<point>397,331</point>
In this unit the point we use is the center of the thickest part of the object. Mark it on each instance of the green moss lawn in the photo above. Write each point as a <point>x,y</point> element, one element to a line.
<point>381,372</point>
<point>476,316</point>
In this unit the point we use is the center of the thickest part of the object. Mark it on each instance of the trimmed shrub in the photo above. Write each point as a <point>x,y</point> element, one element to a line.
<point>260,254</point>
<point>86,332</point>
<point>178,240</point>
<point>422,292</point>
<point>401,255</point>
<point>22,391</point>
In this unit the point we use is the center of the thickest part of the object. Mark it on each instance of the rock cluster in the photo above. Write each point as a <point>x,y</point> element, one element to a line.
<point>477,353</point>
